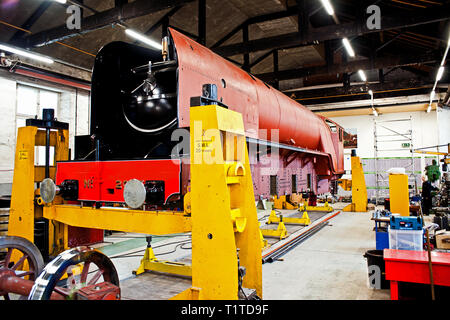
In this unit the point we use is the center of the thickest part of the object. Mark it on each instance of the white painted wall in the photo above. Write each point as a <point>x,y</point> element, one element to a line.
<point>425,127</point>
<point>73,108</point>
<point>7,129</point>
<point>443,116</point>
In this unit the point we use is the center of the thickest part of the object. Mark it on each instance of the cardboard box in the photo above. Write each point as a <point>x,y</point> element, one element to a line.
<point>443,240</point>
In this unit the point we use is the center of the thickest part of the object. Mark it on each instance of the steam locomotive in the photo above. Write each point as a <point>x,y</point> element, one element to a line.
<point>140,97</point>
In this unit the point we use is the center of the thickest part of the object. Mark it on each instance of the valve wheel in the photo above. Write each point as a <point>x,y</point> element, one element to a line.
<point>13,273</point>
<point>92,265</point>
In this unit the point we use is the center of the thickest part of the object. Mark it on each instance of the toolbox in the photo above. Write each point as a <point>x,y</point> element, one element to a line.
<point>406,223</point>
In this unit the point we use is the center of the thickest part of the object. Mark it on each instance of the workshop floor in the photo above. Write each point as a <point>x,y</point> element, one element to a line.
<point>328,266</point>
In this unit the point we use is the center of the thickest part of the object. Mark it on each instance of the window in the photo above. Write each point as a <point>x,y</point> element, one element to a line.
<point>332,125</point>
<point>30,103</point>
<point>273,185</point>
<point>294,183</point>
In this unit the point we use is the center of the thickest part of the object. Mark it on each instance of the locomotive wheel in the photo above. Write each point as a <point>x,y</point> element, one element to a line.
<point>94,265</point>
<point>13,273</point>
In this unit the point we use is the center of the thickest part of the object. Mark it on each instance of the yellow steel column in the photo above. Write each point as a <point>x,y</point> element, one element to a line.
<point>24,209</point>
<point>399,194</point>
<point>21,216</point>
<point>359,190</point>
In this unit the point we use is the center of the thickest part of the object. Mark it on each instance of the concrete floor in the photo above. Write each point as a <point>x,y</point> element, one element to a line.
<point>329,265</point>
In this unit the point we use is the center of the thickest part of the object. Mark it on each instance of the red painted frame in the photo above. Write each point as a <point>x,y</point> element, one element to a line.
<point>412,266</point>
<point>103,181</point>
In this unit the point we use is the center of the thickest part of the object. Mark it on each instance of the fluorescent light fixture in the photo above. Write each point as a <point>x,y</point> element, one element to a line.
<point>375,113</point>
<point>348,47</point>
<point>143,38</point>
<point>362,75</point>
<point>60,1</point>
<point>440,73</point>
<point>429,108</point>
<point>432,95</point>
<point>327,5</point>
<point>26,53</point>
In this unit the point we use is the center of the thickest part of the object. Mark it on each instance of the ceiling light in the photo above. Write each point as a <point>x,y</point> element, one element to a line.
<point>143,38</point>
<point>327,5</point>
<point>429,108</point>
<point>371,93</point>
<point>60,1</point>
<point>348,47</point>
<point>375,113</point>
<point>362,75</point>
<point>440,73</point>
<point>26,53</point>
<point>432,95</point>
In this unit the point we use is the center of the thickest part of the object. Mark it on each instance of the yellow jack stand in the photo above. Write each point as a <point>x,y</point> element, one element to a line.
<point>325,208</point>
<point>280,232</point>
<point>150,263</point>
<point>282,203</point>
<point>264,242</point>
<point>304,220</point>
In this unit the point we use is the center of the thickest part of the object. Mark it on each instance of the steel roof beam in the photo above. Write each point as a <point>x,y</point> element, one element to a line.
<point>330,32</point>
<point>103,19</point>
<point>351,66</point>
<point>31,21</point>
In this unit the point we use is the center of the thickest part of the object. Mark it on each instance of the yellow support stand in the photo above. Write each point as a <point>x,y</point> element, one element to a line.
<point>225,227</point>
<point>150,263</point>
<point>278,202</point>
<point>264,242</point>
<point>296,199</point>
<point>304,220</point>
<point>359,190</point>
<point>24,198</point>
<point>280,232</point>
<point>325,208</point>
<point>399,194</point>
<point>289,206</point>
<point>282,203</point>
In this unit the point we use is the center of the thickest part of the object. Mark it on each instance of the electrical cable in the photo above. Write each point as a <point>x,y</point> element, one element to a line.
<point>154,236</point>
<point>131,254</point>
<point>156,254</point>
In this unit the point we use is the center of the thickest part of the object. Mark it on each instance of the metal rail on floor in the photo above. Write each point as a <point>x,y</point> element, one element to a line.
<point>276,254</point>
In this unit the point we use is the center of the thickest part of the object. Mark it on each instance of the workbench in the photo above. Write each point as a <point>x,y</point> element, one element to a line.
<point>412,266</point>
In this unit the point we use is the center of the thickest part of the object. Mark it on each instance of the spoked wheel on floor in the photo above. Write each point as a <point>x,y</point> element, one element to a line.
<point>20,264</point>
<point>78,274</point>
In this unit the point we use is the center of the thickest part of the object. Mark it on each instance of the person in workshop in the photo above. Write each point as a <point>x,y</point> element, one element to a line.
<point>433,173</point>
<point>427,188</point>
